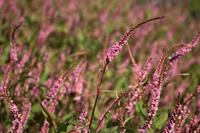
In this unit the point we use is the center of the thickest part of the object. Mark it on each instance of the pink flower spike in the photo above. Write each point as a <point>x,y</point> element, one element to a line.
<point>77,76</point>
<point>155,88</point>
<point>185,48</point>
<point>1,3</point>
<point>24,59</point>
<point>25,111</point>
<point>13,44</point>
<point>55,88</point>
<point>146,69</point>
<point>114,50</point>
<point>45,127</point>
<point>45,31</point>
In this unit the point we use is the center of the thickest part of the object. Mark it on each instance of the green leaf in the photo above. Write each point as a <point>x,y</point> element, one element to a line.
<point>62,127</point>
<point>49,116</point>
<point>109,28</point>
<point>139,108</point>
<point>35,108</point>
<point>110,130</point>
<point>121,83</point>
<point>160,121</point>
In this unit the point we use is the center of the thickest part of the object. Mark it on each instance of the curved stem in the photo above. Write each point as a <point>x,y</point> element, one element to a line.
<point>107,110</point>
<point>113,103</point>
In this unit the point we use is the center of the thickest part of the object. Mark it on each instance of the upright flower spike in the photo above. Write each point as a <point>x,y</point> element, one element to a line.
<point>171,124</point>
<point>177,119</point>
<point>77,80</point>
<point>55,88</point>
<point>134,95</point>
<point>114,50</point>
<point>181,119</point>
<point>51,100</point>
<point>81,127</point>
<point>136,92</point>
<point>155,85</point>
<point>155,88</point>
<point>25,111</point>
<point>3,86</point>
<point>145,71</point>
<point>17,125</point>
<point>20,120</point>
<point>45,31</point>
<point>193,125</point>
<point>180,112</point>
<point>23,61</point>
<point>45,127</point>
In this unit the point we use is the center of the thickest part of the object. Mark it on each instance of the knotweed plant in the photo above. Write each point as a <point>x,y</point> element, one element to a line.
<point>73,67</point>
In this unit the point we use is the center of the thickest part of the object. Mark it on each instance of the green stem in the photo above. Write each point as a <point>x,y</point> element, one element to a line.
<point>97,93</point>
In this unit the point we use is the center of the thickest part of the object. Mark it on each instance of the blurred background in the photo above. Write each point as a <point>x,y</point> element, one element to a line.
<point>63,32</point>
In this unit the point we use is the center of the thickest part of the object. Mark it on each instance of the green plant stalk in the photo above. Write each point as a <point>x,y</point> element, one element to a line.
<point>97,93</point>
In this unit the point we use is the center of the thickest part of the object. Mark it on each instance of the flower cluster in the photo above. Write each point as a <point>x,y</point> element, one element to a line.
<point>114,50</point>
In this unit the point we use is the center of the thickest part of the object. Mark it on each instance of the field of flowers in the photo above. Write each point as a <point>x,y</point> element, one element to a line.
<point>106,66</point>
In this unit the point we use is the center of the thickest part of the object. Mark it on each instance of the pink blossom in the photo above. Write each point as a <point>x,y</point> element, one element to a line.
<point>54,89</point>
<point>45,31</point>
<point>171,124</point>
<point>17,127</point>
<point>181,88</point>
<point>81,127</point>
<point>193,125</point>
<point>18,90</point>
<point>184,113</point>
<point>51,100</point>
<point>114,50</point>
<point>24,59</point>
<point>134,95</point>
<point>145,71</point>
<point>1,3</point>
<point>45,127</point>
<point>35,91</point>
<point>83,116</point>
<point>25,111</point>
<point>3,86</point>
<point>14,8</point>
<point>21,119</point>
<point>185,48</point>
<point>103,17</point>
<point>76,80</point>
<point>155,88</point>
<point>13,44</point>
<point>1,128</point>
<point>179,114</point>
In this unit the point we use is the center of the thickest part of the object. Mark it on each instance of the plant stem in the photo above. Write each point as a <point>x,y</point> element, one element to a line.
<point>107,110</point>
<point>102,72</point>
<point>131,55</point>
<point>124,94</point>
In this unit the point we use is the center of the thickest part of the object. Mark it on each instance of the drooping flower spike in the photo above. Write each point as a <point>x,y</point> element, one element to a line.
<point>114,50</point>
<point>13,44</point>
<point>185,48</point>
